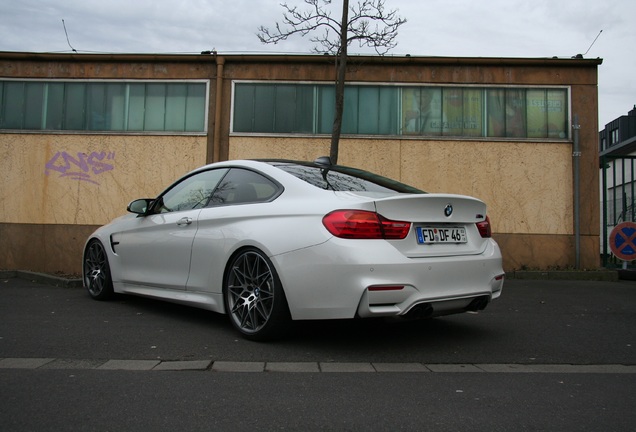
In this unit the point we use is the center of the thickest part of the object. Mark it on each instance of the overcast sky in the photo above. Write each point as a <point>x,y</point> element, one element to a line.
<point>447,28</point>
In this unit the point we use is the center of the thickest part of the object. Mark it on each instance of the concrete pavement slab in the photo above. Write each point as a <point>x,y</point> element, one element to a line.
<point>400,367</point>
<point>24,363</point>
<point>453,368</point>
<point>73,364</point>
<point>183,365</point>
<point>129,364</point>
<point>292,367</point>
<point>346,367</point>
<point>232,366</point>
<point>502,368</point>
<point>568,368</point>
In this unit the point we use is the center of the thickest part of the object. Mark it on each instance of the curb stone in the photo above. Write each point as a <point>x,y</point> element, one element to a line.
<point>309,367</point>
<point>591,275</point>
<point>42,278</point>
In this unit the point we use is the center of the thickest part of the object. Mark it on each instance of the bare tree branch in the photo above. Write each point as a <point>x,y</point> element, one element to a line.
<point>369,24</point>
<point>366,22</point>
<point>301,22</point>
<point>381,36</point>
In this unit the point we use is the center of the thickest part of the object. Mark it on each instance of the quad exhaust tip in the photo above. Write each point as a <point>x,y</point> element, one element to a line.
<point>426,310</point>
<point>478,304</point>
<point>420,311</point>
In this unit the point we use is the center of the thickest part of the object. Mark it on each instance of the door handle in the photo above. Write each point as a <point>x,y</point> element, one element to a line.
<point>184,221</point>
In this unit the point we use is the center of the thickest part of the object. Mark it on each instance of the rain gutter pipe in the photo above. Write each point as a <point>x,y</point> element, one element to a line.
<point>216,145</point>
<point>576,157</point>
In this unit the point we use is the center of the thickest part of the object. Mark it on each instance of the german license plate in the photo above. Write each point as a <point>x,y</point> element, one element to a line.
<point>430,235</point>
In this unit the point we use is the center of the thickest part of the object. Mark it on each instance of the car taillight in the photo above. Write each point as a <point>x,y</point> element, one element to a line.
<point>361,224</point>
<point>484,228</point>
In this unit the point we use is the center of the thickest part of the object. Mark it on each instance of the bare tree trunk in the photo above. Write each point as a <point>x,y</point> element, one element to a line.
<point>341,69</point>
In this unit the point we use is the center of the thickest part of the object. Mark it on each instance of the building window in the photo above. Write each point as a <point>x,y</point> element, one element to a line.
<point>428,111</point>
<point>109,106</point>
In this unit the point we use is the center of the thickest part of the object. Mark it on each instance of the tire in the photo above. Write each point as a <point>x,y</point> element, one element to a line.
<point>254,297</point>
<point>96,271</point>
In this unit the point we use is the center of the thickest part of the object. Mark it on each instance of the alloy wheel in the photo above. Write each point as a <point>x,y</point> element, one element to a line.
<point>251,292</point>
<point>97,278</point>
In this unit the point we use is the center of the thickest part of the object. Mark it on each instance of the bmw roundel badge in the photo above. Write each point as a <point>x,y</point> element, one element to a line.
<point>448,210</point>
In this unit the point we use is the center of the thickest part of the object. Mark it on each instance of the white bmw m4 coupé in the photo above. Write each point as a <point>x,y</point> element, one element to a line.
<point>269,241</point>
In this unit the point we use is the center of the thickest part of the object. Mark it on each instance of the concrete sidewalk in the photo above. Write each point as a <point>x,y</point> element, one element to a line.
<point>307,367</point>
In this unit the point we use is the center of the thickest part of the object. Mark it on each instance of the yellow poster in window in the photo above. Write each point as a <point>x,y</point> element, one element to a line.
<point>462,112</point>
<point>453,112</point>
<point>421,111</point>
<point>547,116</point>
<point>537,114</point>
<point>557,114</point>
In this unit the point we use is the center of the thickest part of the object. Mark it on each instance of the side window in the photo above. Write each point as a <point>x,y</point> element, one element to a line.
<point>191,193</point>
<point>241,186</point>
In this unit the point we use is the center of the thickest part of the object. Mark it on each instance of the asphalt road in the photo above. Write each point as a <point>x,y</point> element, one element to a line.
<point>548,355</point>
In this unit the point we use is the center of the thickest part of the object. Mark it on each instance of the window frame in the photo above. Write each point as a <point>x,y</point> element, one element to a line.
<point>182,187</point>
<point>58,118</point>
<point>485,88</point>
<point>232,172</point>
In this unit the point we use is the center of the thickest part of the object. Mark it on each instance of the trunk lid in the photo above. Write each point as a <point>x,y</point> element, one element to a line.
<point>441,224</point>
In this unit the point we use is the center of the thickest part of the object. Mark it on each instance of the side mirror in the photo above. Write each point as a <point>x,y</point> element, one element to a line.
<point>139,206</point>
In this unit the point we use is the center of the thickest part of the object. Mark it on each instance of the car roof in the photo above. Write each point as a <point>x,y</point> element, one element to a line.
<point>276,168</point>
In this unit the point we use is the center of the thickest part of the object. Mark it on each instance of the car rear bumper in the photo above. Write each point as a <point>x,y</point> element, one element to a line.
<point>409,302</point>
<point>348,278</point>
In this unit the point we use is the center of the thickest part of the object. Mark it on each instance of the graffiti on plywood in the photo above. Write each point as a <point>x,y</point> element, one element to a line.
<point>83,166</point>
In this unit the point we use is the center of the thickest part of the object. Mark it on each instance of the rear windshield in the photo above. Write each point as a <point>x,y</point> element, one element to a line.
<point>345,179</point>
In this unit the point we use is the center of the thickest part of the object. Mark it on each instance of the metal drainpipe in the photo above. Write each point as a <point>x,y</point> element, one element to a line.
<point>576,156</point>
<point>216,143</point>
